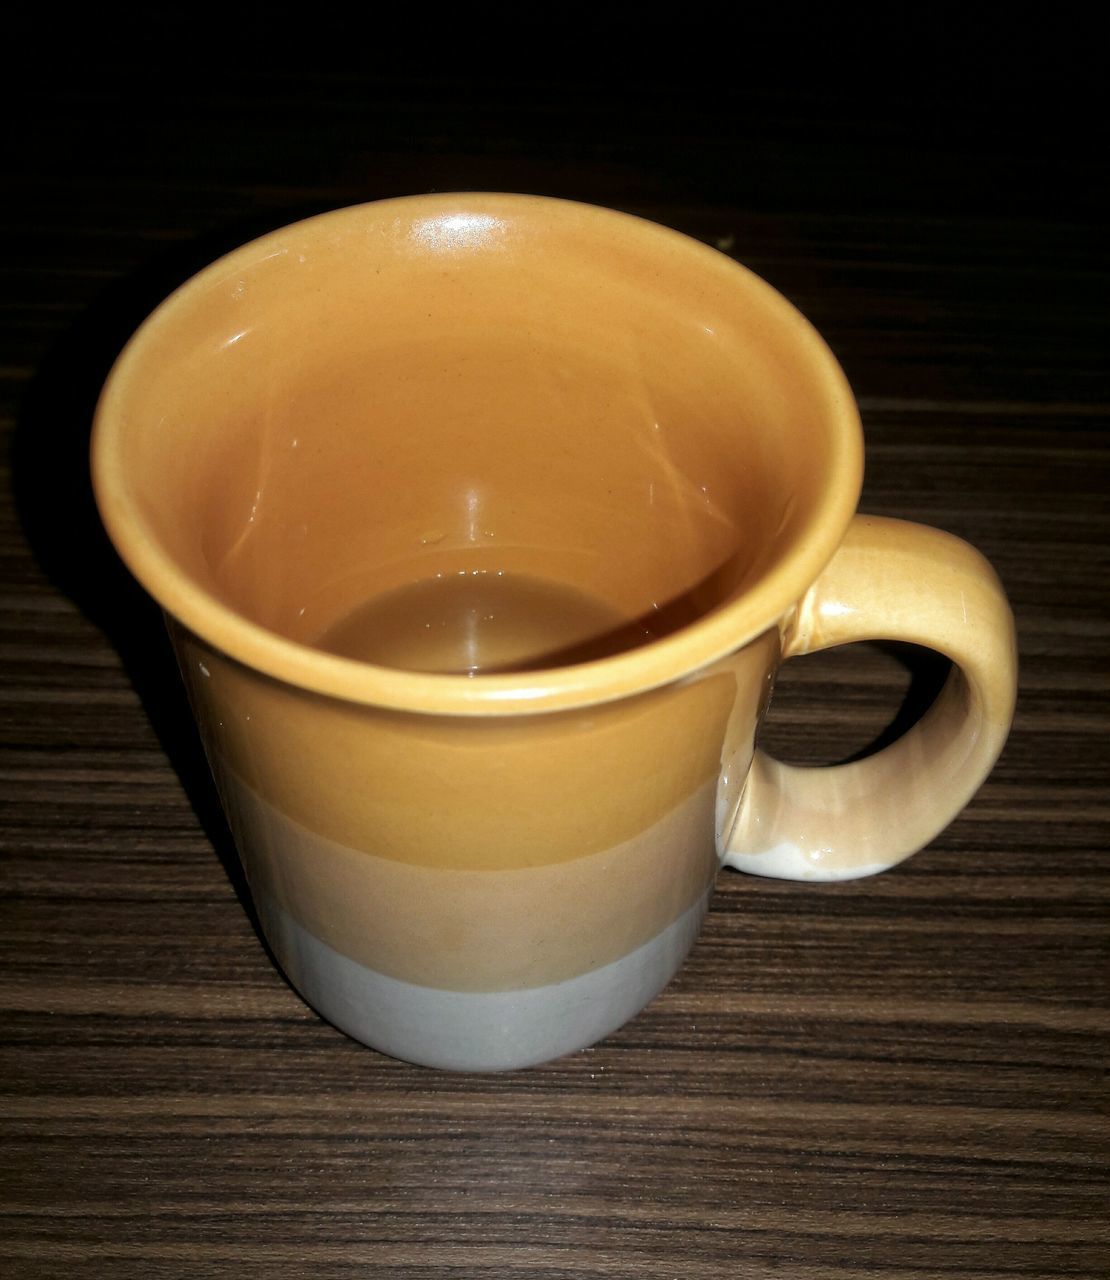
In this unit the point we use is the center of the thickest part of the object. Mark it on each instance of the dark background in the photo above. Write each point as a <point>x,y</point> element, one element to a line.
<point>901,1077</point>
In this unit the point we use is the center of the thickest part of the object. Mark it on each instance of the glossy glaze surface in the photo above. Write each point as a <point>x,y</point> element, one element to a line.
<point>476,383</point>
<point>450,387</point>
<point>890,580</point>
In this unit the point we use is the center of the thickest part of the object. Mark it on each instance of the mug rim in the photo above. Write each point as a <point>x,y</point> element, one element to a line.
<point>673,657</point>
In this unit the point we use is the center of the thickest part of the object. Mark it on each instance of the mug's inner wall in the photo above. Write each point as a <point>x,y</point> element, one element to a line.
<point>501,387</point>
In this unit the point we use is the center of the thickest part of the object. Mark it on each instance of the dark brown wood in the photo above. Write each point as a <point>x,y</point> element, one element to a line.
<point>904,1076</point>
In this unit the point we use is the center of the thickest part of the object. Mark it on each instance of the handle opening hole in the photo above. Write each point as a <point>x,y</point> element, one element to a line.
<point>847,703</point>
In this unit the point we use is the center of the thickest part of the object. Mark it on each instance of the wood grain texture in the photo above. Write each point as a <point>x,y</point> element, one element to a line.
<point>900,1077</point>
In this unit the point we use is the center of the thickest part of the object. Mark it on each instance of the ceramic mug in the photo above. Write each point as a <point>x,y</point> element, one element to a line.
<point>482,524</point>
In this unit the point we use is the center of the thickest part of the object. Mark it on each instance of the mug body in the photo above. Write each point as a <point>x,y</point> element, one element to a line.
<point>476,518</point>
<point>479,893</point>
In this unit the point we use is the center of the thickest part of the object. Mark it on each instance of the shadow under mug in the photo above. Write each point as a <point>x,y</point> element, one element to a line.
<point>482,524</point>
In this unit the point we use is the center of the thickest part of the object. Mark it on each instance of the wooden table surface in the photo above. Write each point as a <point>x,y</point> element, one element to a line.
<point>903,1076</point>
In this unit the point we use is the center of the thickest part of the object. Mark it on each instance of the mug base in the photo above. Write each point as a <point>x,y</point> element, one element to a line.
<point>475,1030</point>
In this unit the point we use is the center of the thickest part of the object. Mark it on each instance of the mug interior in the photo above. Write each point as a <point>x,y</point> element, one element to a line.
<point>471,386</point>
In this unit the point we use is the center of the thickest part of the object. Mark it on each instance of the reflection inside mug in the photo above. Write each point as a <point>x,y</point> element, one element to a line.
<point>438,450</point>
<point>468,623</point>
<point>478,506</point>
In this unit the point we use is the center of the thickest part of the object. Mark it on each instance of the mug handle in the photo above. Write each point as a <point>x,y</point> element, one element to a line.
<point>889,580</point>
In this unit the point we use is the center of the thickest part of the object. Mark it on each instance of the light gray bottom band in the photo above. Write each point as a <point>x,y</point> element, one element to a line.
<point>476,1030</point>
